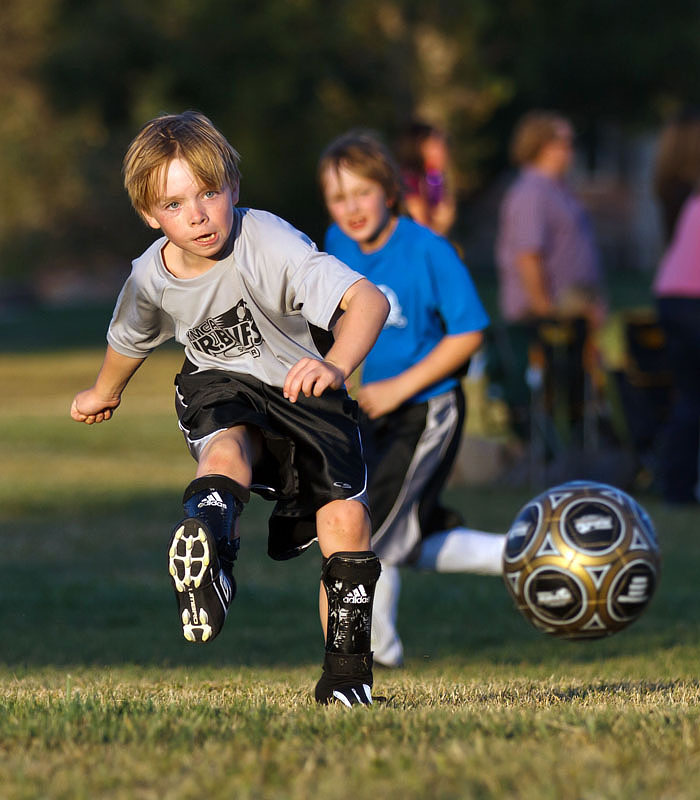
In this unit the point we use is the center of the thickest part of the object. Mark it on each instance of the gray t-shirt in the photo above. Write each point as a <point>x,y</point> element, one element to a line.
<point>250,313</point>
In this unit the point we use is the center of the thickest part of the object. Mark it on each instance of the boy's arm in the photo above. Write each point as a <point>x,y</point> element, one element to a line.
<point>365,311</point>
<point>448,355</point>
<point>97,403</point>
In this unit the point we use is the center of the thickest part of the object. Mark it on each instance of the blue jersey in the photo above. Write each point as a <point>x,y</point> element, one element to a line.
<point>430,292</point>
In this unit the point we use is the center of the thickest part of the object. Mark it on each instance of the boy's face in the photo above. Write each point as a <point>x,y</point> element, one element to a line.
<point>434,152</point>
<point>197,219</point>
<point>359,206</point>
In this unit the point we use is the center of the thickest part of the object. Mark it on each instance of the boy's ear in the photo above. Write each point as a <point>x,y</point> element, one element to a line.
<point>149,220</point>
<point>235,193</point>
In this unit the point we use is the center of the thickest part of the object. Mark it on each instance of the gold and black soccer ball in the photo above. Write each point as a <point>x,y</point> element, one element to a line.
<point>581,560</point>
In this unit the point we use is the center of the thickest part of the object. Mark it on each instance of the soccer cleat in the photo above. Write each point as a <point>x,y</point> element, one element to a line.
<point>360,695</point>
<point>203,590</point>
<point>346,680</point>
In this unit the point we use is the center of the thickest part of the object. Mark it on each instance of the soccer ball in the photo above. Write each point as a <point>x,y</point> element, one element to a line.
<point>581,560</point>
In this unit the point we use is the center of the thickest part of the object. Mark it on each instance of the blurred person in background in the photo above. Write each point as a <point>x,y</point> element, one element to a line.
<point>410,395</point>
<point>677,166</point>
<point>424,158</point>
<point>547,259</point>
<point>677,291</point>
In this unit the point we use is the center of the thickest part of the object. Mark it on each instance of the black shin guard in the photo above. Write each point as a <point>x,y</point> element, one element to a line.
<point>349,579</point>
<point>218,501</point>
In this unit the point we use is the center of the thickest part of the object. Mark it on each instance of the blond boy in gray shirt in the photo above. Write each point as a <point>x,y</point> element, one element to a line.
<point>261,403</point>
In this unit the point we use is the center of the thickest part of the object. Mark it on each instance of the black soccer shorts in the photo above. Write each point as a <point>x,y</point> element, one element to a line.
<point>410,453</point>
<point>312,448</point>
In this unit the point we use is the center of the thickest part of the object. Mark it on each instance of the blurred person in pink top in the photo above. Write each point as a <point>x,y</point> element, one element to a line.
<point>677,166</point>
<point>677,291</point>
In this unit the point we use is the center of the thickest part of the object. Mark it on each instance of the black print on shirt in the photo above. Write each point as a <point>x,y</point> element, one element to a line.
<point>231,334</point>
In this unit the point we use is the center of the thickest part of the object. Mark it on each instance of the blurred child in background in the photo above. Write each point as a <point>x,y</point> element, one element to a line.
<point>410,392</point>
<point>424,158</point>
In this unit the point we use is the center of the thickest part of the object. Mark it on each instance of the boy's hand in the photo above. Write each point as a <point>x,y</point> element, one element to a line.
<point>90,407</point>
<point>312,377</point>
<point>448,355</point>
<point>380,397</point>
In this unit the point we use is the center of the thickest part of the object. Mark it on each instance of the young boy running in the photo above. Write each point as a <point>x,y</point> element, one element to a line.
<point>410,394</point>
<point>260,407</point>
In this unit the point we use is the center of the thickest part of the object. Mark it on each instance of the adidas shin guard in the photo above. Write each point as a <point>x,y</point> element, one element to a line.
<point>349,580</point>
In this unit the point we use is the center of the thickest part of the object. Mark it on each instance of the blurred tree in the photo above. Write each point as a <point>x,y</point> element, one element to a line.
<point>37,172</point>
<point>281,78</point>
<point>627,63</point>
<point>619,60</point>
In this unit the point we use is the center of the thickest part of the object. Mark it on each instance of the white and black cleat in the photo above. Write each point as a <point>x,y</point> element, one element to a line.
<point>346,679</point>
<point>203,590</point>
<point>349,694</point>
<point>354,695</point>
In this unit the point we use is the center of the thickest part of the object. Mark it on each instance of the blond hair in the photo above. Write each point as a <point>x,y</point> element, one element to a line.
<point>535,130</point>
<point>190,136</point>
<point>363,152</point>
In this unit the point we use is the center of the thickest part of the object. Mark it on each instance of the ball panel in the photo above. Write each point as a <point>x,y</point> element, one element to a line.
<point>522,532</point>
<point>555,596</point>
<point>593,526</point>
<point>631,590</point>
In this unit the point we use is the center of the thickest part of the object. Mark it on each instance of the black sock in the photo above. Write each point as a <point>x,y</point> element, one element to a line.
<point>218,501</point>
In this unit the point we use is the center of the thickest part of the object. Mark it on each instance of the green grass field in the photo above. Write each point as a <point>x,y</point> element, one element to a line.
<point>100,697</point>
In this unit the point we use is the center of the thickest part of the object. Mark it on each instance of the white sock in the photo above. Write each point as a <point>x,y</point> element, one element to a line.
<point>463,550</point>
<point>386,643</point>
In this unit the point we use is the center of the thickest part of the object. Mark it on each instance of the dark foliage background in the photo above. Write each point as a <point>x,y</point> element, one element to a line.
<point>281,77</point>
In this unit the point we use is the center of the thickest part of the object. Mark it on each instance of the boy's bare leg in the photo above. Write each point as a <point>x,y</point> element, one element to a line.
<point>343,525</point>
<point>232,453</point>
<point>349,574</point>
<point>205,543</point>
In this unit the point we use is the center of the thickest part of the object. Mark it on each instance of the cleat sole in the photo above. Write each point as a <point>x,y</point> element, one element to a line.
<point>187,568</point>
<point>203,592</point>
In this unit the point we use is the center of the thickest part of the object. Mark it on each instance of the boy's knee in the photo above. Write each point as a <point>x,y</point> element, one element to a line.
<point>346,522</point>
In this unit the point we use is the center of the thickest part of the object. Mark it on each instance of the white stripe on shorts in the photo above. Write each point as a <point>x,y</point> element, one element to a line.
<point>396,539</point>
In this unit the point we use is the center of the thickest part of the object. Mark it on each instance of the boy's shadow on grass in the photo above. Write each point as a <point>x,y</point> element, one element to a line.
<point>93,593</point>
<point>74,620</point>
<point>94,589</point>
<point>472,618</point>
